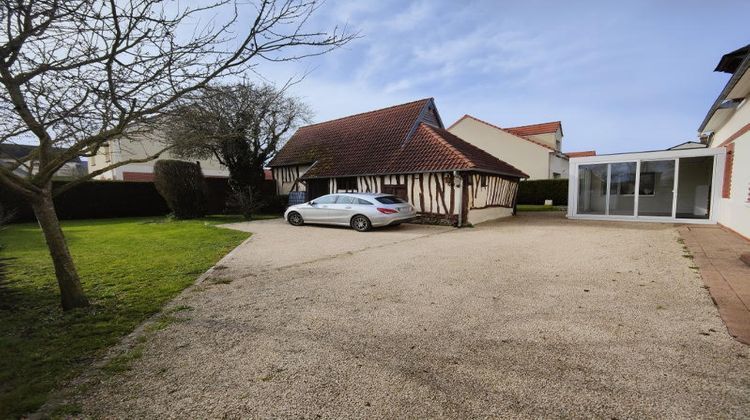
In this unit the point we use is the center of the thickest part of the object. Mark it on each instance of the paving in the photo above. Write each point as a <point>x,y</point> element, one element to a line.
<point>536,316</point>
<point>717,252</point>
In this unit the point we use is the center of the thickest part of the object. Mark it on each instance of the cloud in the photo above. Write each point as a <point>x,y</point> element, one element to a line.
<point>621,76</point>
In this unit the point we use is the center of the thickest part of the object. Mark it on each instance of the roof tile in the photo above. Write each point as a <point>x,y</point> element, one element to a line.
<point>386,141</point>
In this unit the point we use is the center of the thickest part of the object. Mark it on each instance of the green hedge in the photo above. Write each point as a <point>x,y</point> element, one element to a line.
<point>535,192</point>
<point>112,199</point>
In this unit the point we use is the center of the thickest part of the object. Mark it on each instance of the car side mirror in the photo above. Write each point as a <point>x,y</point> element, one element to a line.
<point>312,203</point>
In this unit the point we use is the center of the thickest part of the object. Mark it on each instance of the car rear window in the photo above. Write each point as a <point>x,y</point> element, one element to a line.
<point>390,199</point>
<point>364,202</point>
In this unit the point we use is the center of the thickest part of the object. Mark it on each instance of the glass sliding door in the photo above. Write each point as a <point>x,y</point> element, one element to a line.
<point>592,189</point>
<point>656,188</point>
<point>694,187</point>
<point>622,188</point>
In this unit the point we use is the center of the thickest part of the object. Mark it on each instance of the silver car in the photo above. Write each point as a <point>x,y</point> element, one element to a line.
<point>361,211</point>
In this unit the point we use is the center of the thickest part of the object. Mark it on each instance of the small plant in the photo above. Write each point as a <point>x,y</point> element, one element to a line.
<point>183,187</point>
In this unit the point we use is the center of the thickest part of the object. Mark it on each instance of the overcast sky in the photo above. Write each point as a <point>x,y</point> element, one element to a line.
<point>621,76</point>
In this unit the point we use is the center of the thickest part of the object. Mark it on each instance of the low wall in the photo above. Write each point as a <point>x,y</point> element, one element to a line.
<point>488,213</point>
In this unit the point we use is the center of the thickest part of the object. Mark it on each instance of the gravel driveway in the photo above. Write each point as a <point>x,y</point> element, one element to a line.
<point>534,316</point>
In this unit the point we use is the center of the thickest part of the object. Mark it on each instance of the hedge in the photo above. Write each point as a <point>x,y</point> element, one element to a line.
<point>535,192</point>
<point>183,187</point>
<point>112,199</point>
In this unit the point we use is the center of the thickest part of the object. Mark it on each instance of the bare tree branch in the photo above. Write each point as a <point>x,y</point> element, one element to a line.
<point>76,74</point>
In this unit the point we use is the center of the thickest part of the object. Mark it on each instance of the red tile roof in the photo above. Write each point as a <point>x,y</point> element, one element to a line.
<point>387,141</point>
<point>533,129</point>
<point>467,116</point>
<point>581,154</point>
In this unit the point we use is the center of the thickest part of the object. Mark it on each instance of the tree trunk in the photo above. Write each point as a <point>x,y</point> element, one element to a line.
<point>71,292</point>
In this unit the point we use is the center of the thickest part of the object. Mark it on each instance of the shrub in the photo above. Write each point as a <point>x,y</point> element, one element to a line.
<point>183,187</point>
<point>535,192</point>
<point>275,204</point>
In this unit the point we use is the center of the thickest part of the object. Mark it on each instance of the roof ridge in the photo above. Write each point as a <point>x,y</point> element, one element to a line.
<point>366,112</point>
<point>531,125</point>
<point>505,131</point>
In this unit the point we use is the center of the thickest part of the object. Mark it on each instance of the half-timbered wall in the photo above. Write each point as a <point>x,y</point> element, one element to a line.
<point>286,178</point>
<point>433,193</point>
<point>491,191</point>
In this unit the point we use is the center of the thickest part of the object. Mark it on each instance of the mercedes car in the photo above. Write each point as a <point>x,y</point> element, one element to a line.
<point>361,211</point>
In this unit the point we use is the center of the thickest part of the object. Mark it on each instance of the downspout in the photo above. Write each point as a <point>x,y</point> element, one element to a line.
<point>460,197</point>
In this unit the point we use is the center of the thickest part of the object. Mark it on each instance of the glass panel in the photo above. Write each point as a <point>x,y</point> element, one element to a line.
<point>656,190</point>
<point>622,188</point>
<point>390,199</point>
<point>346,199</point>
<point>326,199</point>
<point>694,187</point>
<point>592,189</point>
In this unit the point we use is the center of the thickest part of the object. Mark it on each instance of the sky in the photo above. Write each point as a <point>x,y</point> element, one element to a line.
<point>621,75</point>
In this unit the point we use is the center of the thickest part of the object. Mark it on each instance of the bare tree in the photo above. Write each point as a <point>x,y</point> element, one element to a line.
<point>242,126</point>
<point>79,73</point>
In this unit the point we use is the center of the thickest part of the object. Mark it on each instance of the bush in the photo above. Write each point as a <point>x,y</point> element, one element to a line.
<point>535,192</point>
<point>183,187</point>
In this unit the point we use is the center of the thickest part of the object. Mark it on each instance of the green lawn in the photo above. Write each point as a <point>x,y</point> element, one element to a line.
<point>537,207</point>
<point>129,268</point>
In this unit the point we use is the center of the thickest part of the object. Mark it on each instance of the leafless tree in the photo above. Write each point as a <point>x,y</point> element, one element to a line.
<point>242,126</point>
<point>77,74</point>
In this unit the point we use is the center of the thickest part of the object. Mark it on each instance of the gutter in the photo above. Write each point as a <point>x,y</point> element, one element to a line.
<point>741,70</point>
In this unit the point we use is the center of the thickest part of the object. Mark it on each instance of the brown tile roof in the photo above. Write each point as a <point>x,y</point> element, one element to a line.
<point>467,116</point>
<point>581,154</point>
<point>530,130</point>
<point>387,141</point>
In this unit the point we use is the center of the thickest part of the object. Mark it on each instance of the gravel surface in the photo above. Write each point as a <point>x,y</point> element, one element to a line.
<point>529,317</point>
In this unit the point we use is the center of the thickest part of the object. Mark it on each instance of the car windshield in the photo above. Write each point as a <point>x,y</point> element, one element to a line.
<point>390,199</point>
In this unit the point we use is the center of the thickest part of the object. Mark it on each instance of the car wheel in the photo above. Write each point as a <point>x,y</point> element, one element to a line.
<point>360,223</point>
<point>295,219</point>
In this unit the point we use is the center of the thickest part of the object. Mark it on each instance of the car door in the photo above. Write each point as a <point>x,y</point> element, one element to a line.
<point>342,211</point>
<point>318,210</point>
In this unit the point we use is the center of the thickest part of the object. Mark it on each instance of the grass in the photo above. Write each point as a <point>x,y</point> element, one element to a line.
<point>537,207</point>
<point>235,218</point>
<point>129,268</point>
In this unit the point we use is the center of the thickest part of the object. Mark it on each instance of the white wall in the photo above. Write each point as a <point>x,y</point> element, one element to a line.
<point>550,139</point>
<point>523,154</point>
<point>489,213</point>
<point>558,164</point>
<point>734,212</point>
<point>139,147</point>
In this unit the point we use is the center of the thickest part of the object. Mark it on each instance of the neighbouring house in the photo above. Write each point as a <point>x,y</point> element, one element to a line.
<point>727,127</point>
<point>534,149</point>
<point>140,147</point>
<point>12,154</point>
<point>692,182</point>
<point>402,150</point>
